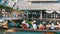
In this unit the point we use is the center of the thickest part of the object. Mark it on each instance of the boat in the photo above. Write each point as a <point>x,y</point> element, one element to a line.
<point>27,31</point>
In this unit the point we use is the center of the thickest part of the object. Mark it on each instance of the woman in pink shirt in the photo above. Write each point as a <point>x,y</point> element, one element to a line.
<point>59,25</point>
<point>25,25</point>
<point>41,27</point>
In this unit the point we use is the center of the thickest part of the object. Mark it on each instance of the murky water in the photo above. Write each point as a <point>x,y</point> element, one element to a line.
<point>24,32</point>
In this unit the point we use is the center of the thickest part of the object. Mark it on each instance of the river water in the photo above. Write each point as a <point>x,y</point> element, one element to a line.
<point>24,32</point>
<point>20,32</point>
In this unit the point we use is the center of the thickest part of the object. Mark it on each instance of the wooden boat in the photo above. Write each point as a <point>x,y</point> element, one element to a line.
<point>32,31</point>
<point>28,30</point>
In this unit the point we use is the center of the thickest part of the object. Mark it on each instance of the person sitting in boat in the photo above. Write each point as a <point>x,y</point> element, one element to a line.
<point>17,25</point>
<point>4,25</point>
<point>34,25</point>
<point>10,24</point>
<point>44,23</point>
<point>52,27</point>
<point>59,25</point>
<point>41,27</point>
<point>25,25</point>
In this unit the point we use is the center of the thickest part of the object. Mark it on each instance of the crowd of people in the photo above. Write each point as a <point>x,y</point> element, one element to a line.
<point>41,26</point>
<point>34,25</point>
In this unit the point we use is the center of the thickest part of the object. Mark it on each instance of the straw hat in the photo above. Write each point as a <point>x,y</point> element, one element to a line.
<point>23,22</point>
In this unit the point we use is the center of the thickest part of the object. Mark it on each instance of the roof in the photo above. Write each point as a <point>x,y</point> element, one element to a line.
<point>25,5</point>
<point>38,6</point>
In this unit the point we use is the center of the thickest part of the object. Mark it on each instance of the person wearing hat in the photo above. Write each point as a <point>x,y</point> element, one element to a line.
<point>34,25</point>
<point>25,25</point>
<point>41,27</point>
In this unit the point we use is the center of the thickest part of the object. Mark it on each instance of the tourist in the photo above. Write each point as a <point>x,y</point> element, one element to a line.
<point>4,25</point>
<point>41,27</point>
<point>52,27</point>
<point>59,25</point>
<point>10,23</point>
<point>34,26</point>
<point>44,23</point>
<point>25,25</point>
<point>17,25</point>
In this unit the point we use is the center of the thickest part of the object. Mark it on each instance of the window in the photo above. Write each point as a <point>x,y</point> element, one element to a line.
<point>33,14</point>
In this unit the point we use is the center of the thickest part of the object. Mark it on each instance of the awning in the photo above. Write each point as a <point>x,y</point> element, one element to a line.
<point>49,11</point>
<point>58,11</point>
